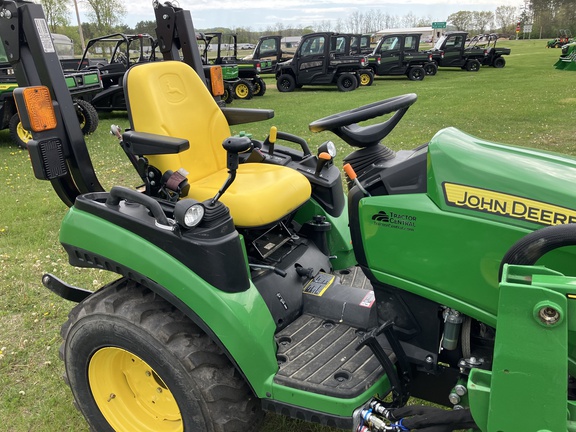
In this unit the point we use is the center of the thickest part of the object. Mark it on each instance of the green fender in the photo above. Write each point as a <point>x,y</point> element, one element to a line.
<point>240,321</point>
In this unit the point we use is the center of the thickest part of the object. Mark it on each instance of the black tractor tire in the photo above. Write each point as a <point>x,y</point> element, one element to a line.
<point>259,86</point>
<point>472,65</point>
<point>346,82</point>
<point>19,135</point>
<point>286,83</point>
<point>416,73</point>
<point>365,78</point>
<point>431,68</point>
<point>243,90</point>
<point>87,116</point>
<point>228,96</point>
<point>135,362</point>
<point>499,62</point>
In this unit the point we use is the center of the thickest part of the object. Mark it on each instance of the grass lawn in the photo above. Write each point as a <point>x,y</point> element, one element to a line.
<point>528,103</point>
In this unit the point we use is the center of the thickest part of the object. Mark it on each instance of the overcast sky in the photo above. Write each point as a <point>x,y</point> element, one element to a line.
<point>259,14</point>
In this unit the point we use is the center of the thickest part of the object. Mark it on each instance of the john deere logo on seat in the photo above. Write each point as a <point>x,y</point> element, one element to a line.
<point>173,88</point>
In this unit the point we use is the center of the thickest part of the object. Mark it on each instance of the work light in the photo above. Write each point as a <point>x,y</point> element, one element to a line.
<point>188,213</point>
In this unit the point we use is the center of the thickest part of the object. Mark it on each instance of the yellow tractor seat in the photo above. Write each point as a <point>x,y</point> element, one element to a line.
<point>168,98</point>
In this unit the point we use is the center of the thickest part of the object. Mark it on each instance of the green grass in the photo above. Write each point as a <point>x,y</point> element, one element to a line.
<point>528,103</point>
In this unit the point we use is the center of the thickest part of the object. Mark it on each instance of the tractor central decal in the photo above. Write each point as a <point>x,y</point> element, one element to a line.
<point>392,219</point>
<point>488,201</point>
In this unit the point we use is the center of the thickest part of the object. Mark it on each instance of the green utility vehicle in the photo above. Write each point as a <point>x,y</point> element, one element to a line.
<point>398,54</point>
<point>492,53</point>
<point>112,55</point>
<point>451,51</point>
<point>317,62</point>
<point>248,281</point>
<point>249,83</point>
<point>82,85</point>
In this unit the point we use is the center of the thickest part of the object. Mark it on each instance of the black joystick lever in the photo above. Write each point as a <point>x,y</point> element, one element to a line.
<point>233,146</point>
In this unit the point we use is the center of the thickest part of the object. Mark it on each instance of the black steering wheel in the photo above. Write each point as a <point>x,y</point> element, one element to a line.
<point>345,125</point>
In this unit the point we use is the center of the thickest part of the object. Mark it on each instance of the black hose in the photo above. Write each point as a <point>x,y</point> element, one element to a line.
<point>533,246</point>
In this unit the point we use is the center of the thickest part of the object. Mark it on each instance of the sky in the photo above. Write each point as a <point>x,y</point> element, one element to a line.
<point>259,14</point>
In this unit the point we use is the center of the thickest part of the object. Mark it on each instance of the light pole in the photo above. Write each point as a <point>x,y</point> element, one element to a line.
<point>79,26</point>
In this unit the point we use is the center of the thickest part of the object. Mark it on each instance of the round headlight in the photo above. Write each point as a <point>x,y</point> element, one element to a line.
<point>188,213</point>
<point>328,147</point>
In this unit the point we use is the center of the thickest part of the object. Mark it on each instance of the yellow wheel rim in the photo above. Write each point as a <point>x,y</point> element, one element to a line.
<point>364,79</point>
<point>23,134</point>
<point>130,394</point>
<point>242,90</point>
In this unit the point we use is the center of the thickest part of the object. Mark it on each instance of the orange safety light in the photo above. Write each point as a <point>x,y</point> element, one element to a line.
<point>216,81</point>
<point>38,103</point>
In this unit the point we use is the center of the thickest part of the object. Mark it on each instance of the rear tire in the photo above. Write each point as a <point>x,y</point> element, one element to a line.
<point>499,62</point>
<point>19,135</point>
<point>346,82</point>
<point>285,83</point>
<point>416,73</point>
<point>134,362</point>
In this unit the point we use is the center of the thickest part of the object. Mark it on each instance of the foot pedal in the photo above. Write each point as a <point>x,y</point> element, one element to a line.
<point>399,376</point>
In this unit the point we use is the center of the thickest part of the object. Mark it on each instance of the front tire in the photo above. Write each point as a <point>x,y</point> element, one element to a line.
<point>431,68</point>
<point>243,90</point>
<point>87,116</point>
<point>259,86</point>
<point>134,362</point>
<point>472,65</point>
<point>365,78</point>
<point>285,83</point>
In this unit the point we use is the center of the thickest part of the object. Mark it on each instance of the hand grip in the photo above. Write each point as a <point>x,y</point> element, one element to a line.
<point>118,193</point>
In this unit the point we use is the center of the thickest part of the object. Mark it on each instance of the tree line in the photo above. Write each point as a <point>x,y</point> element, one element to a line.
<point>106,17</point>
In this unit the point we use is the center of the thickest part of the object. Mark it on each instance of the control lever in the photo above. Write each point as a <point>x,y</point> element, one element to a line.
<point>354,177</point>
<point>233,146</point>
<point>323,159</point>
<point>270,141</point>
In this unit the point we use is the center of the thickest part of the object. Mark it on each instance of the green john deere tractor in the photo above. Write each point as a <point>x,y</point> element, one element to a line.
<point>249,282</point>
<point>567,60</point>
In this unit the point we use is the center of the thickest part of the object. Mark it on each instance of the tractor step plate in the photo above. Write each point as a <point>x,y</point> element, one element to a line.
<point>319,356</point>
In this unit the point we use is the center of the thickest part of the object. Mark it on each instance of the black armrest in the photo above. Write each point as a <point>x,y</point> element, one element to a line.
<point>143,143</point>
<point>236,116</point>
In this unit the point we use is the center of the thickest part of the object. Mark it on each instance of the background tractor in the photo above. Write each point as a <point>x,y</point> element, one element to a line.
<point>247,281</point>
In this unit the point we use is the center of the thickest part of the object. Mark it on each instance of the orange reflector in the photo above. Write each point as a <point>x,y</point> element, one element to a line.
<point>39,107</point>
<point>350,171</point>
<point>325,156</point>
<point>216,81</point>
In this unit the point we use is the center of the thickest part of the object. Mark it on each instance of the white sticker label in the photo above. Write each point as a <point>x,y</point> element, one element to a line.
<point>44,34</point>
<point>368,300</point>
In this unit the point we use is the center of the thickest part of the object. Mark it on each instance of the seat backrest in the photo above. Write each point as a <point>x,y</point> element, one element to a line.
<point>169,98</point>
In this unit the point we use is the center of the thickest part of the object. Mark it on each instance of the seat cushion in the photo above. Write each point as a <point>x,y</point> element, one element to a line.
<point>261,193</point>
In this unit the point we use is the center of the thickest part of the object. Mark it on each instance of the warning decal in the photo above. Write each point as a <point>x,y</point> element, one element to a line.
<point>319,284</point>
